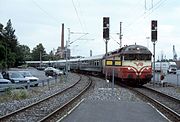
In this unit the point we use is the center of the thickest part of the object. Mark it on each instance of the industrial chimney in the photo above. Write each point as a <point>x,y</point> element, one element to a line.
<point>90,53</point>
<point>62,37</point>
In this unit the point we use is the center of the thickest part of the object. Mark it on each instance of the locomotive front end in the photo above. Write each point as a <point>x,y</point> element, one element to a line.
<point>136,65</point>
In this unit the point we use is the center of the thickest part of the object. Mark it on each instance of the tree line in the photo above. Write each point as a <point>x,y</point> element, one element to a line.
<point>13,54</point>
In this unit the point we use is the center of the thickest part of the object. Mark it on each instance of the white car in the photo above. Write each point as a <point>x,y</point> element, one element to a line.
<point>31,78</point>
<point>51,71</point>
<point>59,72</point>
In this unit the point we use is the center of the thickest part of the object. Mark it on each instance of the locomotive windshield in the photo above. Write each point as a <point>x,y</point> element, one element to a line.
<point>137,57</point>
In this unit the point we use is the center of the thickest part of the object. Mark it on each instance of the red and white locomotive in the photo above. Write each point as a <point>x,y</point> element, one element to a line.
<point>133,64</point>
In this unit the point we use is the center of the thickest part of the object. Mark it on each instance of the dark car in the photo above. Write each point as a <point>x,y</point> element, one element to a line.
<point>15,77</point>
<point>4,81</point>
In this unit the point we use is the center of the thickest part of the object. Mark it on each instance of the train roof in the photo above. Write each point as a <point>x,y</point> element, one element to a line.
<point>36,62</point>
<point>97,57</point>
<point>131,49</point>
<point>83,59</point>
<point>74,59</point>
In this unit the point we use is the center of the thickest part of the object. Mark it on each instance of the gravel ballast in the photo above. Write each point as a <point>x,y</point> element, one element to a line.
<point>102,91</point>
<point>169,90</point>
<point>37,93</point>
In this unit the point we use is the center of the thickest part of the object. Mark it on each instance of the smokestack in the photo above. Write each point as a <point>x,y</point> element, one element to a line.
<point>90,53</point>
<point>62,37</point>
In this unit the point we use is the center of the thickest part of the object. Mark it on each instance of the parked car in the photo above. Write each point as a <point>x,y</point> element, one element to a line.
<point>166,67</point>
<point>15,77</point>
<point>40,68</point>
<point>28,75</point>
<point>51,71</point>
<point>4,81</point>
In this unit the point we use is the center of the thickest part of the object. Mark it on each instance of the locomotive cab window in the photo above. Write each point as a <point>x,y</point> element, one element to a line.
<point>137,57</point>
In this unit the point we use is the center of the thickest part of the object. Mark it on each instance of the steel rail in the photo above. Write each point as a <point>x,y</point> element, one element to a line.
<point>7,116</point>
<point>48,117</point>
<point>165,95</point>
<point>171,114</point>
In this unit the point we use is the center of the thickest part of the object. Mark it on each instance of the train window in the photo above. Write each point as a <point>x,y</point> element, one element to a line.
<point>97,63</point>
<point>146,57</point>
<point>129,57</point>
<point>137,57</point>
<point>91,63</point>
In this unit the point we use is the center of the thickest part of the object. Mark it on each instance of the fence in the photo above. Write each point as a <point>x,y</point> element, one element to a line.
<point>29,84</point>
<point>173,79</point>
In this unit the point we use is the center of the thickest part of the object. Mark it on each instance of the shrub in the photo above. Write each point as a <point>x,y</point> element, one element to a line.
<point>20,94</point>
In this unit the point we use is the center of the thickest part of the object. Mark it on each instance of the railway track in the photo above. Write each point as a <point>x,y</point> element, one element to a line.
<point>168,105</point>
<point>47,108</point>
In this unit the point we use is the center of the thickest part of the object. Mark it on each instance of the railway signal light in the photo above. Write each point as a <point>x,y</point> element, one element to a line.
<point>154,30</point>
<point>106,28</point>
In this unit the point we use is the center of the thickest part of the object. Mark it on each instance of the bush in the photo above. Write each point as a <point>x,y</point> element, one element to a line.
<point>8,91</point>
<point>20,94</point>
<point>16,94</point>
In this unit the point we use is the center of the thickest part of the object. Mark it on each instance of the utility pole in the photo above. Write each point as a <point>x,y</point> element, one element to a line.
<point>40,57</point>
<point>120,35</point>
<point>174,54</point>
<point>6,58</point>
<point>66,49</point>
<point>67,45</point>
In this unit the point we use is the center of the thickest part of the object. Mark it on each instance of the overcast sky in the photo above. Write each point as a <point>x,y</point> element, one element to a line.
<point>39,21</point>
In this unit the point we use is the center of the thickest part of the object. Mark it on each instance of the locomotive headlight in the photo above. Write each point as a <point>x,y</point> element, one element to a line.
<point>147,68</point>
<point>129,68</point>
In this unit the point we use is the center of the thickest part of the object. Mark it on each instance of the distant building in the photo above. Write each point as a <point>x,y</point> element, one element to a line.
<point>61,53</point>
<point>178,64</point>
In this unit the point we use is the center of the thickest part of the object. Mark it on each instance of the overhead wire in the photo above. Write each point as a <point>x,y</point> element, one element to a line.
<point>115,40</point>
<point>80,9</point>
<point>156,6</point>
<point>146,14</point>
<point>76,11</point>
<point>149,11</point>
<point>45,12</point>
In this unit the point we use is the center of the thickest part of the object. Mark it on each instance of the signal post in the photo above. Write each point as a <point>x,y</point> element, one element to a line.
<point>106,37</point>
<point>154,39</point>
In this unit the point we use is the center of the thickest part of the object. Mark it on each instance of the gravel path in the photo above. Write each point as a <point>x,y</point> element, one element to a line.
<point>169,90</point>
<point>103,91</point>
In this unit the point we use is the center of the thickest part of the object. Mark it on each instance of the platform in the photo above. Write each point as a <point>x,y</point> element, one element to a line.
<point>114,111</point>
